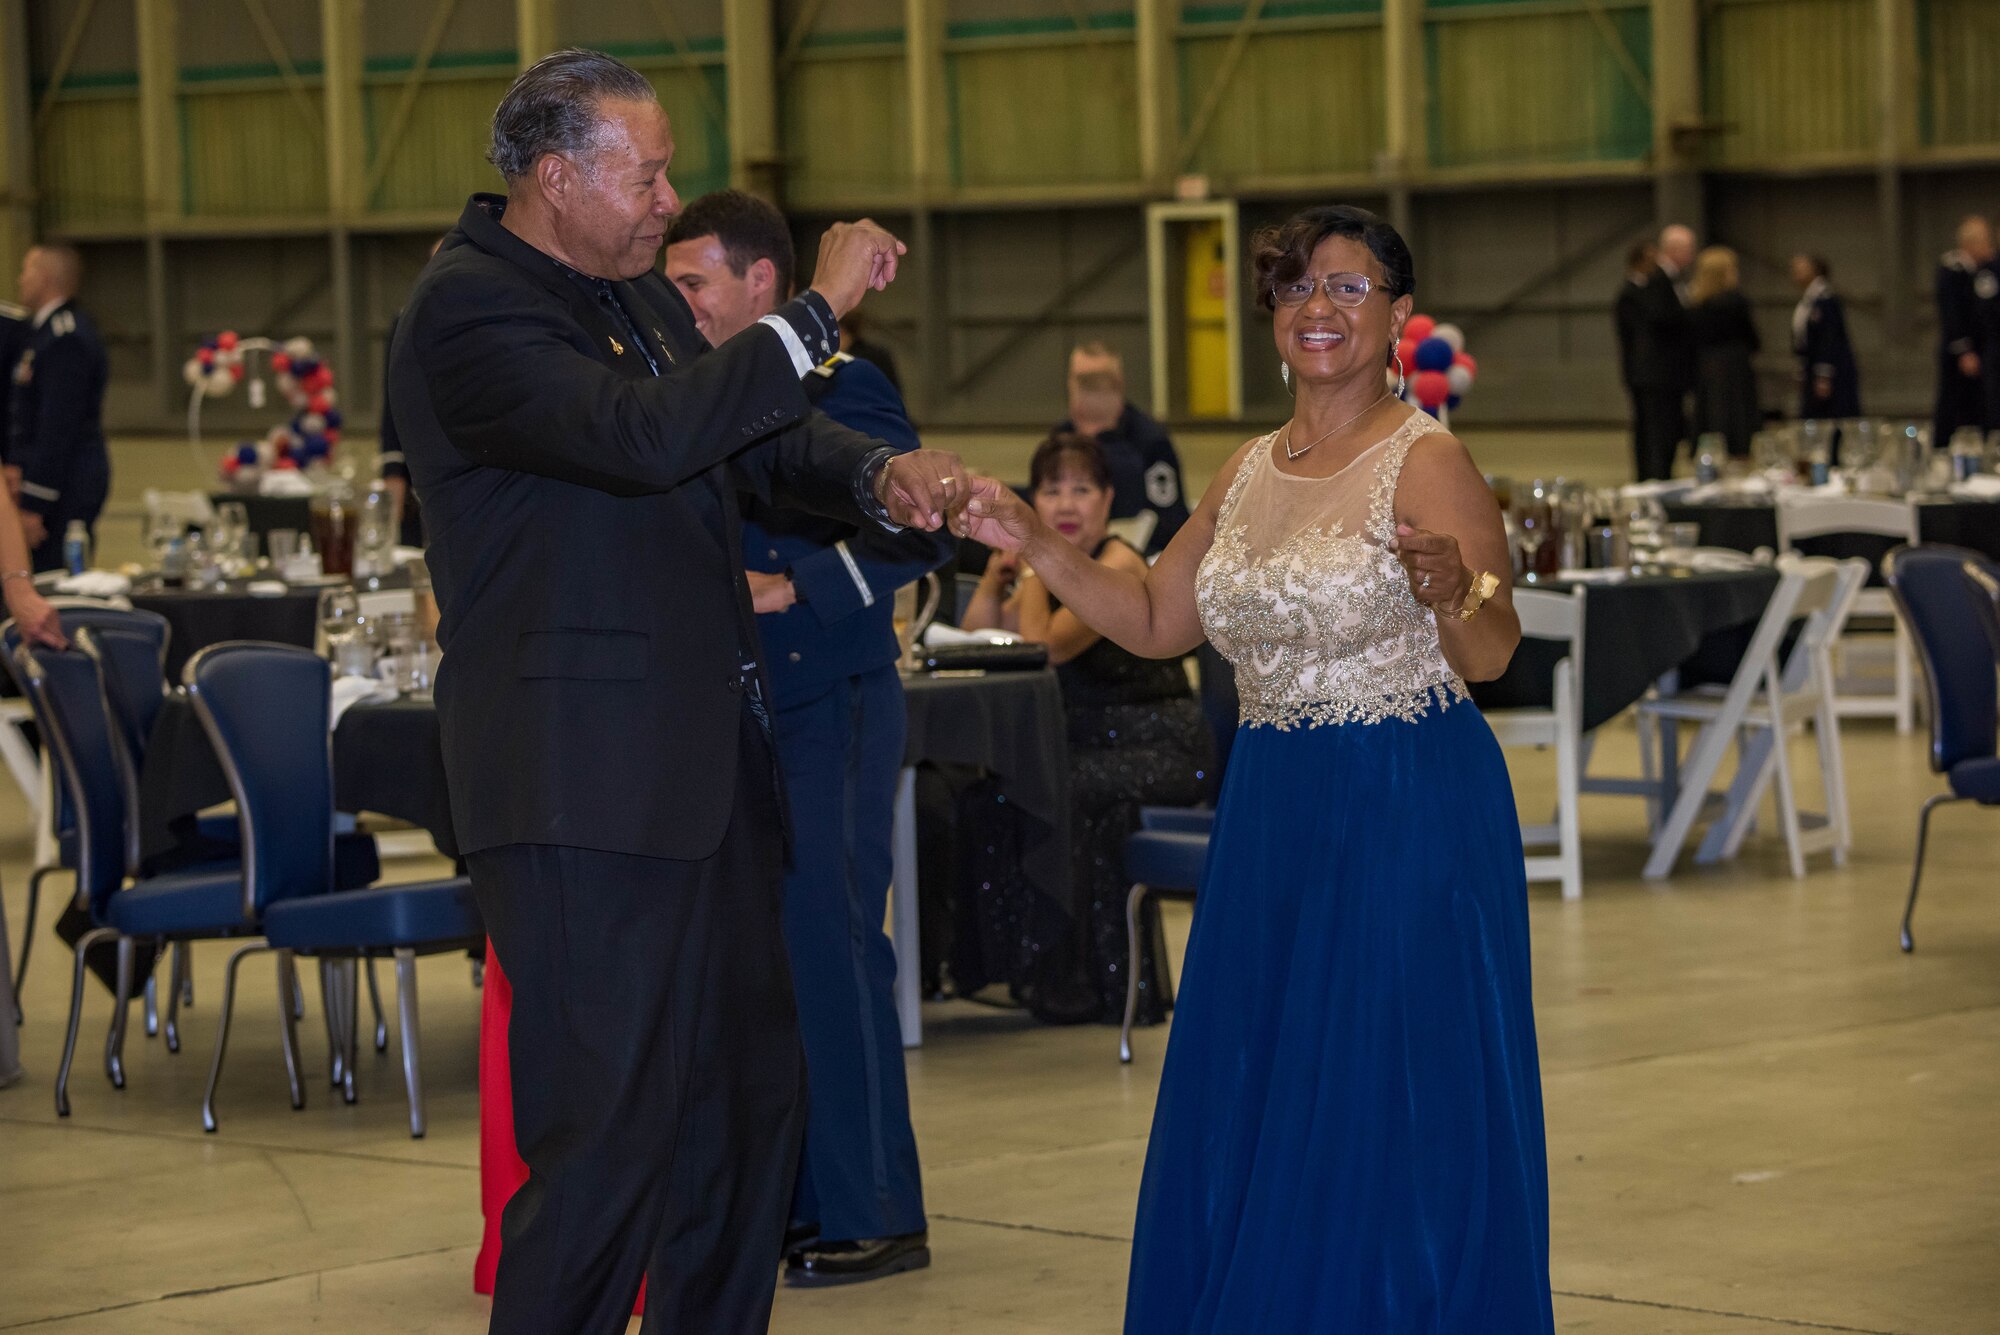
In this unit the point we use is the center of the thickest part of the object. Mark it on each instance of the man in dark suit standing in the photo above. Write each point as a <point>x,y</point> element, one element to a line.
<point>56,457</point>
<point>579,449</point>
<point>1660,366</point>
<point>1145,467</point>
<point>1962,275</point>
<point>826,593</point>
<point>1829,380</point>
<point>1628,318</point>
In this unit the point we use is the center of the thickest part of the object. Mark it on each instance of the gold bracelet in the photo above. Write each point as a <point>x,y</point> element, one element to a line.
<point>1484,585</point>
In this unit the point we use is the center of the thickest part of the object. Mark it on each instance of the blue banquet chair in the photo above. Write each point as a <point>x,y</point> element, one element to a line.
<point>1944,593</point>
<point>149,628</point>
<point>265,707</point>
<point>67,690</point>
<point>1165,855</point>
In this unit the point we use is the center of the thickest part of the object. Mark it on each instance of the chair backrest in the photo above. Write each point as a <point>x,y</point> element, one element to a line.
<point>1817,516</point>
<point>266,709</point>
<point>1219,705</point>
<point>1941,602</point>
<point>133,659</point>
<point>68,697</point>
<point>1825,602</point>
<point>1548,615</point>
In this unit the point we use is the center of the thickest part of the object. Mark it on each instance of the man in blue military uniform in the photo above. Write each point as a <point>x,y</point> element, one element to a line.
<point>55,449</point>
<point>1145,469</point>
<point>15,325</point>
<point>824,592</point>
<point>1965,278</point>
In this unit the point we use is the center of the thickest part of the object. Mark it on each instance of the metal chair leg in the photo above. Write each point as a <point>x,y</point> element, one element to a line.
<point>222,1033</point>
<point>1132,903</point>
<point>28,930</point>
<point>298,993</point>
<point>151,1002</point>
<point>329,997</point>
<point>176,971</point>
<point>185,949</point>
<point>406,1017</point>
<point>83,944</point>
<point>350,1023</point>
<point>114,1041</point>
<point>288,1028</point>
<point>375,1003</point>
<point>1931,804</point>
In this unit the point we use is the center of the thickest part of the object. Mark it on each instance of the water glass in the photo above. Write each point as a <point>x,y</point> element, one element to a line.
<point>1680,540</point>
<point>284,546</point>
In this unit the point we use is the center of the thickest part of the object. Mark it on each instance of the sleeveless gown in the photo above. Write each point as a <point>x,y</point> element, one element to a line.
<point>1348,1135</point>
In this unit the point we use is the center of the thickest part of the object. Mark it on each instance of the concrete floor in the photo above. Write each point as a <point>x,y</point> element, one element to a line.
<point>1761,1115</point>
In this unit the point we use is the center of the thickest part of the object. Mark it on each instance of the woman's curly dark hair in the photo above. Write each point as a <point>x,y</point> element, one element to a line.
<point>1280,254</point>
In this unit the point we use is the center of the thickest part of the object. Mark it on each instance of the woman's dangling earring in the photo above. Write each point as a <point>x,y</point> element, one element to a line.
<point>1402,381</point>
<point>1285,370</point>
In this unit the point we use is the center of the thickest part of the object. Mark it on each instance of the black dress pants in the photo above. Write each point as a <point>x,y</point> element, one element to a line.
<point>1659,424</point>
<point>658,1078</point>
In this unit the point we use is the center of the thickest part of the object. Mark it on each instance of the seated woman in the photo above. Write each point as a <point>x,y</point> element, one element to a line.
<point>1136,737</point>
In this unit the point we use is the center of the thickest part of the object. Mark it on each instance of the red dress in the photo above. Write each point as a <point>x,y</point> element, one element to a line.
<point>501,1171</point>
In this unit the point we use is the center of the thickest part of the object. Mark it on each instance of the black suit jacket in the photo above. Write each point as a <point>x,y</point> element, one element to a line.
<point>1662,355</point>
<point>1627,314</point>
<point>584,540</point>
<point>1826,353</point>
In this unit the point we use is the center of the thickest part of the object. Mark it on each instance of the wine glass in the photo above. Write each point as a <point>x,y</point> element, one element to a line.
<point>1535,511</point>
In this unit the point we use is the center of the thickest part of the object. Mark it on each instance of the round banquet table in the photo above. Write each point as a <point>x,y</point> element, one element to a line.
<point>1750,524</point>
<point>1635,631</point>
<point>197,618</point>
<point>1009,723</point>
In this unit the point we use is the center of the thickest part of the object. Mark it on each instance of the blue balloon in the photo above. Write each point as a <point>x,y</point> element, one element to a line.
<point>246,453</point>
<point>333,418</point>
<point>1434,354</point>
<point>1453,401</point>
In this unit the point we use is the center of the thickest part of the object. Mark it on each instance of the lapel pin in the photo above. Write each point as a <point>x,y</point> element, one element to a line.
<point>617,347</point>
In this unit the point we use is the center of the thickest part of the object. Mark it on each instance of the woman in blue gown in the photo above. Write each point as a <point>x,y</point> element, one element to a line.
<point>1348,1135</point>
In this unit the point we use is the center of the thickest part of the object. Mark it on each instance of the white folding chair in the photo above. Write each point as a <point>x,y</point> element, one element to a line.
<point>1761,706</point>
<point>1557,617</point>
<point>1820,516</point>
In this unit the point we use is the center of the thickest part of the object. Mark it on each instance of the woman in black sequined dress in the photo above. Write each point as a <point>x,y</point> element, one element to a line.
<point>1136,738</point>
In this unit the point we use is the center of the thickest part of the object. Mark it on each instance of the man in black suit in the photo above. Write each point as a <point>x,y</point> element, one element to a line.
<point>578,450</point>
<point>1964,278</point>
<point>1628,316</point>
<point>1660,367</point>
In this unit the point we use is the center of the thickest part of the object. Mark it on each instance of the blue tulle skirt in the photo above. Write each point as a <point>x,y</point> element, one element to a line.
<point>1349,1128</point>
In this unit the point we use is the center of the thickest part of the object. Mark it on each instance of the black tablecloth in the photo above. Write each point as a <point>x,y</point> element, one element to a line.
<point>270,512</point>
<point>197,619</point>
<point>1010,724</point>
<point>1746,527</point>
<point>387,758</point>
<point>1636,631</point>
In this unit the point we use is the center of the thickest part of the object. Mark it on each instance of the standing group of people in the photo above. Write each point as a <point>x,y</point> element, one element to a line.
<point>1688,342</point>
<point>633,770</point>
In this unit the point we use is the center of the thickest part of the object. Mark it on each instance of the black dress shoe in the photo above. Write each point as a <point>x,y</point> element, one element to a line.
<point>828,1263</point>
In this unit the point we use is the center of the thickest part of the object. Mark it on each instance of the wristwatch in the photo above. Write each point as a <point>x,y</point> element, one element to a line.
<point>1484,585</point>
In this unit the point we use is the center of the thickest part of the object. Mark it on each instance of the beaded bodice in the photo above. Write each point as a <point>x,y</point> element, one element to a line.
<point>1303,596</point>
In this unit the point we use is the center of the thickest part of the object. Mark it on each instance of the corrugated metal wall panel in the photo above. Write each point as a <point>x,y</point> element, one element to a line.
<point>1539,88</point>
<point>845,128</point>
<point>87,163</point>
<point>1789,79</point>
<point>441,157</point>
<point>701,142</point>
<point>1078,126</point>
<point>1959,71</point>
<point>252,152</point>
<point>1272,121</point>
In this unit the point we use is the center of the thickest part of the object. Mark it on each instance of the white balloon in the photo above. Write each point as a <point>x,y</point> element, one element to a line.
<point>219,382</point>
<point>299,347</point>
<point>1451,334</point>
<point>312,424</point>
<point>332,399</point>
<point>191,371</point>
<point>1459,378</point>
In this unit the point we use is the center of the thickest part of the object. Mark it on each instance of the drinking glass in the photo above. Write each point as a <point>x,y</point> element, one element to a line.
<point>333,524</point>
<point>1535,511</point>
<point>1680,540</point>
<point>339,615</point>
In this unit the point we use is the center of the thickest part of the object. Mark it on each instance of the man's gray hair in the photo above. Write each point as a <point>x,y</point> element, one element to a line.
<point>553,108</point>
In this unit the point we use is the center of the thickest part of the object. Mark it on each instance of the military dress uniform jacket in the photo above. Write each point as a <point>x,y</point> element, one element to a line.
<point>56,425</point>
<point>583,520</point>
<point>14,329</point>
<point>1145,473</point>
<point>1960,288</point>
<point>846,577</point>
<point>1819,337</point>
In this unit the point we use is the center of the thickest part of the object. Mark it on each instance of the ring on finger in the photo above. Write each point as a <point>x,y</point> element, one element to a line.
<point>1426,584</point>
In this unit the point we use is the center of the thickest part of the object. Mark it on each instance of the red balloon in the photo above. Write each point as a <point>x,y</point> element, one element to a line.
<point>320,404</point>
<point>1465,359</point>
<point>281,362</point>
<point>284,462</point>
<point>236,370</point>
<point>319,379</point>
<point>226,339</point>
<point>230,463</point>
<point>332,435</point>
<point>1418,328</point>
<point>1430,387</point>
<point>1406,353</point>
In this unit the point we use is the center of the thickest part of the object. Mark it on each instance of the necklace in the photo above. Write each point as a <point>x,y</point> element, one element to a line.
<point>1291,453</point>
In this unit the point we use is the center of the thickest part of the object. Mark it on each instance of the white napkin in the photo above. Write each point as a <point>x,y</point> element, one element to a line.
<point>1729,489</point>
<point>1719,560</point>
<point>267,588</point>
<point>937,635</point>
<point>1578,576</point>
<point>351,691</point>
<point>95,584</point>
<point>1982,487</point>
<point>284,482</point>
<point>1659,487</point>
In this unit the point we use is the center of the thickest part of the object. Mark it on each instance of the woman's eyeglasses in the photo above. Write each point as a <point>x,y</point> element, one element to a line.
<point>1342,289</point>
